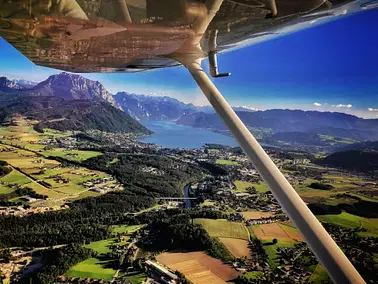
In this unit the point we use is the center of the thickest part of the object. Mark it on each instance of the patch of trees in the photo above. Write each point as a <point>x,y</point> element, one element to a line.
<point>321,186</point>
<point>358,160</point>
<point>191,213</point>
<point>148,175</point>
<point>179,232</point>
<point>20,191</point>
<point>361,208</point>
<point>213,169</point>
<point>56,262</point>
<point>324,209</point>
<point>218,250</point>
<point>5,255</point>
<point>87,220</point>
<point>4,169</point>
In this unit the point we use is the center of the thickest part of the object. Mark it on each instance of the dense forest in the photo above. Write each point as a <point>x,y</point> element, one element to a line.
<point>359,207</point>
<point>87,220</point>
<point>147,175</point>
<point>57,261</point>
<point>357,160</point>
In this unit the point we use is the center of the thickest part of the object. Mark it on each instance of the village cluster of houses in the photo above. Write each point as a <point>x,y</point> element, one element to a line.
<point>21,211</point>
<point>103,185</point>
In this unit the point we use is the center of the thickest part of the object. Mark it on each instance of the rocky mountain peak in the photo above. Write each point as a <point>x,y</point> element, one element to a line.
<point>7,85</point>
<point>73,87</point>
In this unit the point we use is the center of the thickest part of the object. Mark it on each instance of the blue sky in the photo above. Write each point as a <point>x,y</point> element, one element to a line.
<point>332,67</point>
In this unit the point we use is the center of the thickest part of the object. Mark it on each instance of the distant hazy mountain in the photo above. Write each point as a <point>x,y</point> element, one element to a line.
<point>154,107</point>
<point>7,85</point>
<point>25,83</point>
<point>326,123</point>
<point>71,87</point>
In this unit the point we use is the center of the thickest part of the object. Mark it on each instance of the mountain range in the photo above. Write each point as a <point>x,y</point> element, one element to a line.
<point>288,126</point>
<point>153,107</point>
<point>288,123</point>
<point>66,102</point>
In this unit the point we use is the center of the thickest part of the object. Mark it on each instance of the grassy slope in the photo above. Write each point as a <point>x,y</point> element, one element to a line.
<point>226,162</point>
<point>271,251</point>
<point>92,268</point>
<point>241,186</point>
<point>352,221</point>
<point>96,268</point>
<point>223,228</point>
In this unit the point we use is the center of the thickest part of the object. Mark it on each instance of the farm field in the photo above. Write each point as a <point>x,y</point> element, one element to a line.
<point>47,177</point>
<point>226,162</point>
<point>198,267</point>
<point>281,232</point>
<point>248,215</point>
<point>241,186</point>
<point>102,246</point>
<point>237,247</point>
<point>98,268</point>
<point>352,221</point>
<point>23,135</point>
<point>135,277</point>
<point>126,229</point>
<point>224,228</point>
<point>319,275</point>
<point>341,183</point>
<point>71,155</point>
<point>271,250</point>
<point>92,268</point>
<point>5,189</point>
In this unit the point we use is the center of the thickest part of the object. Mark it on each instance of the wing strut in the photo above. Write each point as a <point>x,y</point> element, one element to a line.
<point>324,247</point>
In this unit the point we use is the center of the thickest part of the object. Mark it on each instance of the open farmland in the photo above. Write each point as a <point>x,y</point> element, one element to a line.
<point>198,267</point>
<point>224,228</point>
<point>241,186</point>
<point>47,177</point>
<point>227,162</point>
<point>92,268</point>
<point>353,222</point>
<point>252,215</point>
<point>237,247</point>
<point>271,251</point>
<point>22,135</point>
<point>101,267</point>
<point>268,232</point>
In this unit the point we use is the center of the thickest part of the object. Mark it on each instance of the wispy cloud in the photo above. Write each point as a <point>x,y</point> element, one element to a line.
<point>342,106</point>
<point>248,107</point>
<point>372,109</point>
<point>317,104</point>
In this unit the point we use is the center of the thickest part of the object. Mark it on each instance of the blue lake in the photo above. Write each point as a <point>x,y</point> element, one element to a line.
<point>171,135</point>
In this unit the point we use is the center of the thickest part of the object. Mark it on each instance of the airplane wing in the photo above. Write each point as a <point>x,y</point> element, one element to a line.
<point>139,35</point>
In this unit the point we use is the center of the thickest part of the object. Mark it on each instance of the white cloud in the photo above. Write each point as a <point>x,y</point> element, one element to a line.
<point>372,109</point>
<point>317,104</point>
<point>248,107</point>
<point>342,106</point>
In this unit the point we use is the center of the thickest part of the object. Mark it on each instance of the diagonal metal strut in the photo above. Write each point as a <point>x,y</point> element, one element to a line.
<point>324,247</point>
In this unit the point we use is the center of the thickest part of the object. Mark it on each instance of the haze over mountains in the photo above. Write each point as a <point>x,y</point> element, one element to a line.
<point>288,123</point>
<point>293,126</point>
